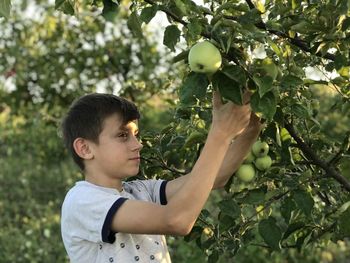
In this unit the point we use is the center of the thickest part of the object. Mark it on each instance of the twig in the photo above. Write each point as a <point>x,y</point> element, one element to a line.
<point>342,150</point>
<point>169,13</point>
<point>309,153</point>
<point>164,165</point>
<point>295,41</point>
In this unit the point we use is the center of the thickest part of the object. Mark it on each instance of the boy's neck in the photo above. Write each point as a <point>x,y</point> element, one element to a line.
<point>105,182</point>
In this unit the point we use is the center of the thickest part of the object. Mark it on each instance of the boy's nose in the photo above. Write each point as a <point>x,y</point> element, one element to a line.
<point>137,145</point>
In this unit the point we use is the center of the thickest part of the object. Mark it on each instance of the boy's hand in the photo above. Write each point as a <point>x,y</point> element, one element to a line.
<point>230,119</point>
<point>254,126</point>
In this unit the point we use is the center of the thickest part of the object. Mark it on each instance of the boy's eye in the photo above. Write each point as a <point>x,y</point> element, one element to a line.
<point>123,135</point>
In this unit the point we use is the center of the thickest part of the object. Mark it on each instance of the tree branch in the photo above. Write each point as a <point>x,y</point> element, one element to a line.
<point>344,147</point>
<point>302,44</point>
<point>168,12</point>
<point>250,4</point>
<point>163,165</point>
<point>315,159</point>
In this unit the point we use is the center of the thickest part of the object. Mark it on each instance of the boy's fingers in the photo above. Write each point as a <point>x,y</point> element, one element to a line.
<point>254,119</point>
<point>217,102</point>
<point>253,116</point>
<point>246,97</point>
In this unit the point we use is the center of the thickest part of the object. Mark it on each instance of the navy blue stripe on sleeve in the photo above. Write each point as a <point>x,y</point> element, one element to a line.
<point>162,193</point>
<point>107,233</point>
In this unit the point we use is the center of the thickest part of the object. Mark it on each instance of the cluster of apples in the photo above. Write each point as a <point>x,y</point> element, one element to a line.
<point>204,57</point>
<point>258,157</point>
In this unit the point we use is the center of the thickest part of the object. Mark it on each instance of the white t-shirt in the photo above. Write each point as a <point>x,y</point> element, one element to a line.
<point>87,213</point>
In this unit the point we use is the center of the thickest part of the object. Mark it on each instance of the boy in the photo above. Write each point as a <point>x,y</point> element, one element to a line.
<point>107,220</point>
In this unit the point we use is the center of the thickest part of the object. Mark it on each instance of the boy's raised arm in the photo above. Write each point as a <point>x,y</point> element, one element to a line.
<point>182,210</point>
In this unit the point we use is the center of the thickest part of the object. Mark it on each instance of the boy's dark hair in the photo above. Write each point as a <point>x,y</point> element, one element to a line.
<point>86,116</point>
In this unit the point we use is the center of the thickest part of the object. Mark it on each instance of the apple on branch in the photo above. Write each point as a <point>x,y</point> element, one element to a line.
<point>246,172</point>
<point>204,57</point>
<point>263,163</point>
<point>260,149</point>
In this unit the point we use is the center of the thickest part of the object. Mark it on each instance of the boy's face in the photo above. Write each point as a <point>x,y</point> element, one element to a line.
<point>117,155</point>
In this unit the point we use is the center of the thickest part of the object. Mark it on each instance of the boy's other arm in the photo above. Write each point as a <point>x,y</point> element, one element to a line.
<point>233,158</point>
<point>182,210</point>
<point>237,151</point>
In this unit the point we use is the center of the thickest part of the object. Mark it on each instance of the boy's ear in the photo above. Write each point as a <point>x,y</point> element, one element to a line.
<point>82,148</point>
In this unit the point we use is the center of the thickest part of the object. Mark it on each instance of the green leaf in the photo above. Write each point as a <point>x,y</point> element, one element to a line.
<point>265,105</point>
<point>264,84</point>
<point>344,226</point>
<point>194,138</point>
<point>229,88</point>
<point>270,232</point>
<point>274,47</point>
<point>300,111</point>
<point>304,201</point>
<point>194,27</point>
<point>148,13</point>
<point>5,8</point>
<point>291,81</point>
<point>207,244</point>
<point>302,27</point>
<point>65,6</point>
<point>235,73</point>
<point>345,24</point>
<point>267,67</point>
<point>292,228</point>
<point>171,36</point>
<point>196,232</point>
<point>181,7</point>
<point>254,197</point>
<point>253,16</point>
<point>340,61</point>
<point>343,7</point>
<point>226,222</point>
<point>214,257</point>
<point>110,10</point>
<point>287,207</point>
<point>230,208</point>
<point>194,87</point>
<point>134,24</point>
<point>286,153</point>
<point>301,240</point>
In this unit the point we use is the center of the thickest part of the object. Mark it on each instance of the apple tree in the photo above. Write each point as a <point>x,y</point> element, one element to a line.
<point>293,56</point>
<point>273,49</point>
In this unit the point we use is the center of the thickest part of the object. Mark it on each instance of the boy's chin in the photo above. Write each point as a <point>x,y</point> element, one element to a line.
<point>134,173</point>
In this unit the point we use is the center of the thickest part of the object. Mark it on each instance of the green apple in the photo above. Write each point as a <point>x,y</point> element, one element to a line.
<point>204,57</point>
<point>249,158</point>
<point>246,172</point>
<point>260,149</point>
<point>263,163</point>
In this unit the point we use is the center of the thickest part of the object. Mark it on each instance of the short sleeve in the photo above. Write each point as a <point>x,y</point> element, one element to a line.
<point>149,190</point>
<point>87,214</point>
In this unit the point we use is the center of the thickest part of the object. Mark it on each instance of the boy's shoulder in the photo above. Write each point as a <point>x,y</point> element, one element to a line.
<point>147,190</point>
<point>84,189</point>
